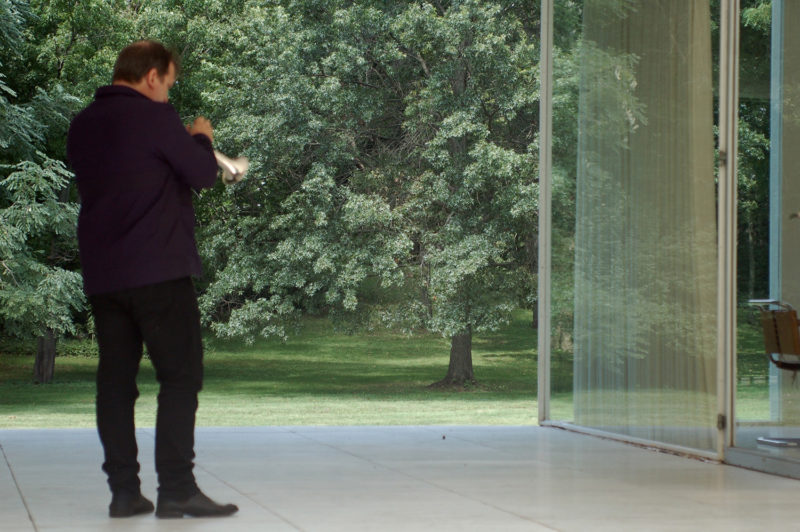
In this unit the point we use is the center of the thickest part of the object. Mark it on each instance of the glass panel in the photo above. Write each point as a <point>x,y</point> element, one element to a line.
<point>645,268</point>
<point>567,31</point>
<point>768,398</point>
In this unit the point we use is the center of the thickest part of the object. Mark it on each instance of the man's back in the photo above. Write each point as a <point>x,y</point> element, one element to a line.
<point>136,166</point>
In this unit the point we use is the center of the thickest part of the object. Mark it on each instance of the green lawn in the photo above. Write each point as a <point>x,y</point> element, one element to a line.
<point>320,377</point>
<point>317,378</point>
<point>752,369</point>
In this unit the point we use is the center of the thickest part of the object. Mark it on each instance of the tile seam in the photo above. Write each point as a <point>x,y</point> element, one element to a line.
<point>19,489</point>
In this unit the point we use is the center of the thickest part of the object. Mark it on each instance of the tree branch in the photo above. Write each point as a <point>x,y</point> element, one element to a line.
<point>413,54</point>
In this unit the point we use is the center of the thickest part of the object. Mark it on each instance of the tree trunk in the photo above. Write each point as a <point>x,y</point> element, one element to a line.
<point>44,366</point>
<point>751,260</point>
<point>532,252</point>
<point>460,371</point>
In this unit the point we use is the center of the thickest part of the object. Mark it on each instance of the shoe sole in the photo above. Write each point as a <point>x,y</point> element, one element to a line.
<point>118,515</point>
<point>180,514</point>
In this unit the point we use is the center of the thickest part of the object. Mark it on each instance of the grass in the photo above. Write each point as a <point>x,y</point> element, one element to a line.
<point>752,369</point>
<point>319,377</point>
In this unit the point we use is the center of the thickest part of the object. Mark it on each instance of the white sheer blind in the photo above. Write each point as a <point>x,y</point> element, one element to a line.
<point>645,257</point>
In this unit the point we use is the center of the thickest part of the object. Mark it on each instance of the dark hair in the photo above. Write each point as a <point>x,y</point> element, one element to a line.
<point>137,59</point>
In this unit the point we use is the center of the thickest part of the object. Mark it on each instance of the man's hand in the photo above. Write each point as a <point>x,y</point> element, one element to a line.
<point>201,125</point>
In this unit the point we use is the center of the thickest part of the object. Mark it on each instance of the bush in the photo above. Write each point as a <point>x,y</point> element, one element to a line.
<point>66,347</point>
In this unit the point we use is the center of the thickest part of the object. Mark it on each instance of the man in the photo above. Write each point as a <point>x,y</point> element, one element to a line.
<point>136,166</point>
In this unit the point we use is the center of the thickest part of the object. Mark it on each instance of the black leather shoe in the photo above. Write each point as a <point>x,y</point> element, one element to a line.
<point>197,505</point>
<point>125,504</point>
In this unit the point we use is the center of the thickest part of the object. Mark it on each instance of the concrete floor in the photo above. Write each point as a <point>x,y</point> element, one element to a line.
<point>399,478</point>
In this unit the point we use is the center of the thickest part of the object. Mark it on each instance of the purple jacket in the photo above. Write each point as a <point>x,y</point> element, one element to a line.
<point>136,166</point>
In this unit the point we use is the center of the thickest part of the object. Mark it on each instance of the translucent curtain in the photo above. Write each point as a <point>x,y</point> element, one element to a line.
<point>785,405</point>
<point>645,241</point>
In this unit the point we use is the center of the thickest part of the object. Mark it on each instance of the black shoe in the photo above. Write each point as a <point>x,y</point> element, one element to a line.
<point>126,504</point>
<point>197,505</point>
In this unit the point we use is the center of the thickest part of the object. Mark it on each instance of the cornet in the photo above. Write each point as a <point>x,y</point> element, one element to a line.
<point>233,170</point>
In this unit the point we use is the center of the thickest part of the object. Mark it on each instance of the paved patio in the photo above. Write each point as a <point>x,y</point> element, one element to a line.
<point>398,478</point>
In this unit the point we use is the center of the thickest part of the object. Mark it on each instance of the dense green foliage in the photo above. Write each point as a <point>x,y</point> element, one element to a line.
<point>393,150</point>
<point>754,163</point>
<point>39,289</point>
<point>393,177</point>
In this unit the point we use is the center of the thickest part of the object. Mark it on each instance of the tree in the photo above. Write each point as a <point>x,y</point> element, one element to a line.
<point>38,294</point>
<point>392,148</point>
<point>473,213</point>
<point>393,153</point>
<point>38,297</point>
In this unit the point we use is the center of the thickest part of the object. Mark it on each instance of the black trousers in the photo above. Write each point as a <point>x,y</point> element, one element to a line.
<point>165,318</point>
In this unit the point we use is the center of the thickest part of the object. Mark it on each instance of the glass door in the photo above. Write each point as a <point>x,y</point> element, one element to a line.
<point>767,397</point>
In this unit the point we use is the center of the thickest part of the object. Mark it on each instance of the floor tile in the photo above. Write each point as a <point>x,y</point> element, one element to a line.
<point>388,479</point>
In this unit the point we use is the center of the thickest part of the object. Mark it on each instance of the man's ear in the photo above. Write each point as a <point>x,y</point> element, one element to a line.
<point>151,77</point>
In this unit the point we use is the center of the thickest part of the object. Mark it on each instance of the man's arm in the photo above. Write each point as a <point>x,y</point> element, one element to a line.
<point>189,151</point>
